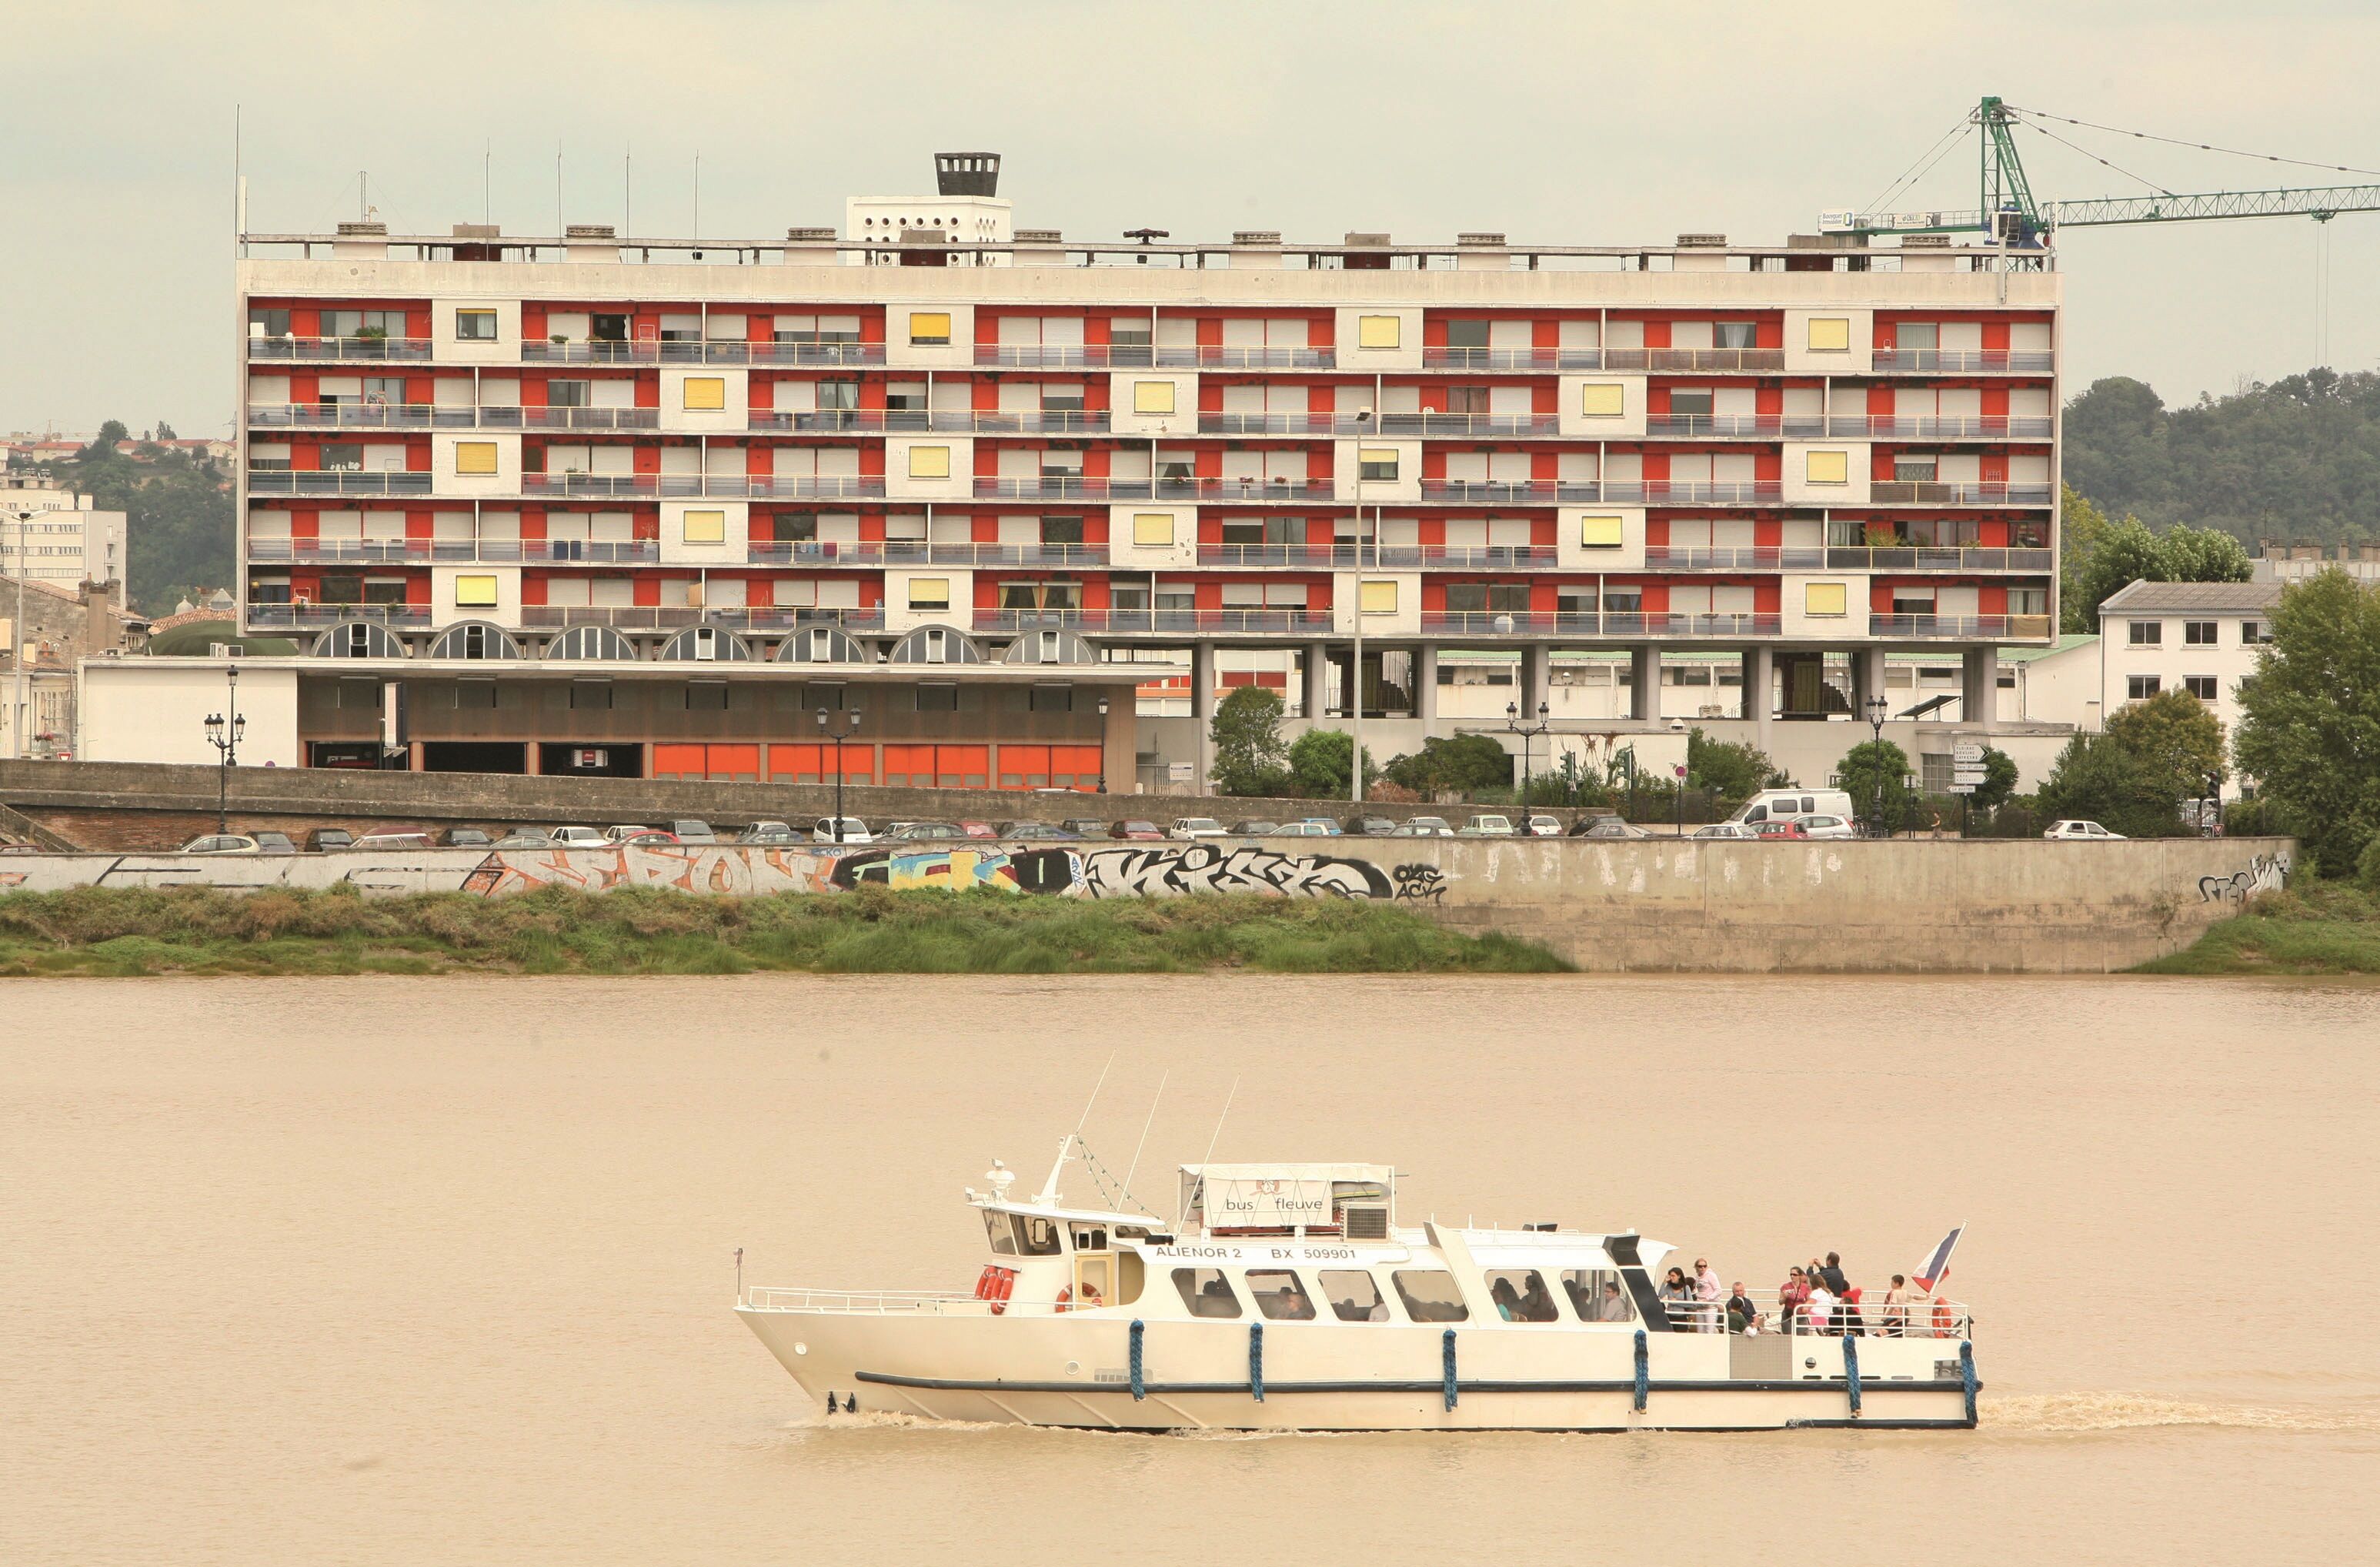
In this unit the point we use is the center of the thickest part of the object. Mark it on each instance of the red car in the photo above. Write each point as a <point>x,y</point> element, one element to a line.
<point>1781,830</point>
<point>978,830</point>
<point>1136,831</point>
<point>652,838</point>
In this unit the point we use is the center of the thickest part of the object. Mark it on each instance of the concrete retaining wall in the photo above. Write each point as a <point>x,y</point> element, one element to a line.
<point>1709,906</point>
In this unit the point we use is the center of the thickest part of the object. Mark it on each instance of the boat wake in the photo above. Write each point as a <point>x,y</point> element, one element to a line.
<point>2129,1412</point>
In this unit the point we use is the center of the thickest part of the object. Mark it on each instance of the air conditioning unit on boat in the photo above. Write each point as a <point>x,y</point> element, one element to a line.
<point>1365,1222</point>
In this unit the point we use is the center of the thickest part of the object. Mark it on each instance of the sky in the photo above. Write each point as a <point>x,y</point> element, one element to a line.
<point>1556,122</point>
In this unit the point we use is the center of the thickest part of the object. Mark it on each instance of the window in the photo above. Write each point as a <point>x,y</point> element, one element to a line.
<point>2198,633</point>
<point>705,392</point>
<point>706,696</point>
<point>1683,402</point>
<point>1909,470</point>
<point>929,462</point>
<point>2145,633</point>
<point>1830,334</point>
<point>475,592</point>
<point>1205,1292</point>
<point>1732,335</point>
<point>2203,686</point>
<point>1467,334</point>
<point>1051,699</point>
<point>1829,468</point>
<point>348,456</point>
<point>1520,1295</point>
<point>1152,529</point>
<point>2253,633</point>
<point>1378,332</point>
<point>1430,1295</point>
<point>1825,599</point>
<point>475,456</point>
<point>592,694</point>
<point>996,1230</point>
<point>475,326</point>
<point>1279,1295</point>
<point>1596,1295</point>
<point>1602,400</point>
<point>937,697</point>
<point>930,592</point>
<point>475,694</point>
<point>1036,1236</point>
<point>1380,598</point>
<point>706,528</point>
<point>930,328</point>
<point>1599,532</point>
<point>2140,687</point>
<point>1352,1297</point>
<point>1152,396</point>
<point>269,323</point>
<point>1377,462</point>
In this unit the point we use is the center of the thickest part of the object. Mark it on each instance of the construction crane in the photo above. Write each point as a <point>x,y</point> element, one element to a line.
<point>2006,211</point>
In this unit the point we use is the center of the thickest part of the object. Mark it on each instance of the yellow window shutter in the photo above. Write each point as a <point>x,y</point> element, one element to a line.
<point>1380,598</point>
<point>930,592</point>
<point>930,326</point>
<point>705,392</point>
<point>1379,332</point>
<point>1152,396</point>
<point>475,456</point>
<point>1830,334</point>
<point>706,528</point>
<point>1824,599</point>
<point>1599,532</point>
<point>929,462</point>
<point>1602,400</point>
<point>1829,467</point>
<point>475,592</point>
<point>1152,529</point>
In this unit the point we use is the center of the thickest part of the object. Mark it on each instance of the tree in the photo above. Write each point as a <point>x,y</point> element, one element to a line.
<point>1453,765</point>
<point>165,431</point>
<point>111,433</point>
<point>1737,769</point>
<point>1874,771</point>
<point>1320,763</point>
<point>2310,716</point>
<point>2174,741</point>
<point>1249,755</point>
<point>177,518</point>
<point>1999,779</point>
<point>2096,778</point>
<point>2120,554</point>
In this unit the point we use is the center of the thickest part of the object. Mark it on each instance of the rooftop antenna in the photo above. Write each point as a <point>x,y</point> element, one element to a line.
<point>363,194</point>
<point>628,191</point>
<point>487,180</point>
<point>558,225</point>
<point>1049,1191</point>
<point>1144,1135</point>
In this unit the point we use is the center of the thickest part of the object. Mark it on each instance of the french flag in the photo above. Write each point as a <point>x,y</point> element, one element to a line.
<point>1936,1267</point>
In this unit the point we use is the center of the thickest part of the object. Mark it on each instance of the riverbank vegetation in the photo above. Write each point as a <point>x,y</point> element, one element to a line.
<point>191,931</point>
<point>2314,928</point>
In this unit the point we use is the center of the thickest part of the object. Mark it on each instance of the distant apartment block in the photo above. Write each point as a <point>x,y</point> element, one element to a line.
<point>52,535</point>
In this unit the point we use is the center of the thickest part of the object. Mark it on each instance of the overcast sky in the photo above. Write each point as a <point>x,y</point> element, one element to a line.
<point>1571,123</point>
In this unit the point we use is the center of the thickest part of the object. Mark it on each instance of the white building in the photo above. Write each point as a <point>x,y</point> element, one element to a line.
<point>54,535</point>
<point>2200,637</point>
<point>966,210</point>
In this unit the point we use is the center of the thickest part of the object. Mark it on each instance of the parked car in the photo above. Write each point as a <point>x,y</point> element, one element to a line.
<point>1771,803</point>
<point>1255,828</point>
<point>1084,826</point>
<point>525,838</point>
<point>2080,829</point>
<point>221,844</point>
<point>1779,827</point>
<point>388,843</point>
<point>614,834</point>
<point>1542,827</point>
<point>326,838</point>
<point>1606,826</point>
<point>1487,825</point>
<point>1300,829</point>
<point>1827,827</point>
<point>771,828</point>
<point>274,843</point>
<point>978,829</point>
<point>580,838</point>
<point>853,831</point>
<point>918,832</point>
<point>1423,827</point>
<point>650,838</point>
<point>1194,827</point>
<point>1040,832</point>
<point>694,831</point>
<point>1724,830</point>
<point>1362,825</point>
<point>463,838</point>
<point>1327,826</point>
<point>1138,832</point>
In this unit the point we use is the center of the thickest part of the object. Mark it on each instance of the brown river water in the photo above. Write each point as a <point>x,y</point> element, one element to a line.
<point>439,1270</point>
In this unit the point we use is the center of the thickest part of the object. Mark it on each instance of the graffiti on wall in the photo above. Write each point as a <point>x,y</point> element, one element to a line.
<point>1160,871</point>
<point>1421,884</point>
<point>2265,873</point>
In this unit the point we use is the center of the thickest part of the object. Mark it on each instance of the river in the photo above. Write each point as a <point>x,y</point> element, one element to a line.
<point>439,1270</point>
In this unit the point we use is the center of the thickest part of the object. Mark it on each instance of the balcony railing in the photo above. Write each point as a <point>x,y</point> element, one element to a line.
<point>572,552</point>
<point>1883,427</point>
<point>1506,623</point>
<point>1936,492</point>
<point>1726,427</point>
<point>1538,359</point>
<point>606,352</point>
<point>1743,557</point>
<point>570,418</point>
<point>330,349</point>
<point>299,617</point>
<point>776,353</point>
<point>1937,557</point>
<point>918,551</point>
<point>1282,622</point>
<point>358,415</point>
<point>654,617</point>
<point>1074,487</point>
<point>1720,361</point>
<point>1963,360</point>
<point>1511,491</point>
<point>286,482</point>
<point>359,552</point>
<point>1381,557</point>
<point>1965,628</point>
<point>933,421</point>
<point>1129,355</point>
<point>757,486</point>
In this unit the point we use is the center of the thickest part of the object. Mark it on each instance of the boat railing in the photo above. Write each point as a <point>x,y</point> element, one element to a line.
<point>1920,1317</point>
<point>887,1302</point>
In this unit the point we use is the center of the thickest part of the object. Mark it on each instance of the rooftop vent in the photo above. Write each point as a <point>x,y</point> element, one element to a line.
<point>1366,241</point>
<point>808,235</point>
<point>1479,237</point>
<point>1701,241</point>
<point>363,230</point>
<point>1925,241</point>
<point>478,231</point>
<point>968,174</point>
<point>578,231</point>
<point>1256,236</point>
<point>1039,237</point>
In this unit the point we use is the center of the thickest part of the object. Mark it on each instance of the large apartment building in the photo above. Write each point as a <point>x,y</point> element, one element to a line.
<point>943,440</point>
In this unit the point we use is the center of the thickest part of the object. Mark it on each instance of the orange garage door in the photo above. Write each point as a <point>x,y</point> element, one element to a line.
<point>722,764</point>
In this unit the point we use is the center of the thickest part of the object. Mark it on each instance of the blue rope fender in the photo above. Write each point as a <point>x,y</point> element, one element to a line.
<point>1644,1372</point>
<point>1446,1358</point>
<point>1967,1375</point>
<point>1256,1360</point>
<point>1851,1371</point>
<point>1139,1388</point>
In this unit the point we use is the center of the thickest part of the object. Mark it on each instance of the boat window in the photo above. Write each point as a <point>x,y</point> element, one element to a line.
<point>1597,1294</point>
<point>1280,1296</point>
<point>1004,1239</point>
<point>1429,1295</point>
<point>1205,1292</point>
<point>1132,1231</point>
<point>1090,1237</point>
<point>1036,1236</point>
<point>1521,1296</point>
<point>1354,1296</point>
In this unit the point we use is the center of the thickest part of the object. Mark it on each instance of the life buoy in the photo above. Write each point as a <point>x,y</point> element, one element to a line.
<point>1066,1294</point>
<point>1945,1322</point>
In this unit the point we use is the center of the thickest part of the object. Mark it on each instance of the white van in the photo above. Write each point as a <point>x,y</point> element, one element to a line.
<point>1777,805</point>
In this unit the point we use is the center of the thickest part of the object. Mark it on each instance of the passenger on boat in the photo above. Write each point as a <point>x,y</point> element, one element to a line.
<point>1848,1316</point>
<point>1793,1300</point>
<point>1505,1298</point>
<point>1678,1300</point>
<point>1831,1275</point>
<point>1707,1291</point>
<point>1821,1308</point>
<point>1896,1309</point>
<point>1614,1307</point>
<point>1742,1317</point>
<point>1535,1304</point>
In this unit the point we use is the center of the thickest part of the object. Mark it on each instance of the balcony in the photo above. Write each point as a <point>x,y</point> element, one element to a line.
<point>654,617</point>
<point>287,481</point>
<point>303,618</point>
<point>1545,361</point>
<point>1935,492</point>
<point>732,486</point>
<point>2023,427</point>
<point>572,552</point>
<point>1708,361</point>
<point>1512,492</point>
<point>1614,623</point>
<point>1128,355</point>
<point>1937,557</point>
<point>1964,361</point>
<point>593,353</point>
<point>1274,622</point>
<point>936,422</point>
<point>1961,628</point>
<point>1074,487</point>
<point>358,415</point>
<point>329,350</point>
<point>357,551</point>
<point>828,354</point>
<point>1800,557</point>
<point>570,418</point>
<point>917,552</point>
<point>1380,557</point>
<point>1734,426</point>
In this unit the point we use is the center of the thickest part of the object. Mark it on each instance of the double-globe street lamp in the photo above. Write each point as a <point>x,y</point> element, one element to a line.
<point>224,734</point>
<point>1877,709</point>
<point>825,727</point>
<point>1527,732</point>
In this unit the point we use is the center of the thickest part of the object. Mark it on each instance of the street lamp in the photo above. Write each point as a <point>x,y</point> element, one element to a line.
<point>1877,709</point>
<point>20,682</point>
<point>1355,665</point>
<point>1677,727</point>
<point>2210,811</point>
<point>1527,732</point>
<point>1103,745</point>
<point>224,734</point>
<point>853,728</point>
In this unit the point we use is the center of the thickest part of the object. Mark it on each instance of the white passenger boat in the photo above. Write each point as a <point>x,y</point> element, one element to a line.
<point>1289,1297</point>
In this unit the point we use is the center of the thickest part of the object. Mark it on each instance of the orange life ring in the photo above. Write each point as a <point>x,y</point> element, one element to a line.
<point>1066,1294</point>
<point>1944,1322</point>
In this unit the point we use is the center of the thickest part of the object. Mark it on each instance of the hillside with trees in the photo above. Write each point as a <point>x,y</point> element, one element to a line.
<point>178,519</point>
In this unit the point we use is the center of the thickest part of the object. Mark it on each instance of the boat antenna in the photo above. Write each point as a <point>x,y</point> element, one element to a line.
<point>1049,1191</point>
<point>1144,1134</point>
<point>1210,1146</point>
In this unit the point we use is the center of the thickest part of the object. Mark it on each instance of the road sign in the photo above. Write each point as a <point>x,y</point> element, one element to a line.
<point>1680,769</point>
<point>1967,787</point>
<point>1968,753</point>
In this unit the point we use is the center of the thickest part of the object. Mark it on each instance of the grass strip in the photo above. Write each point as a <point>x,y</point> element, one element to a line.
<point>2314,928</point>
